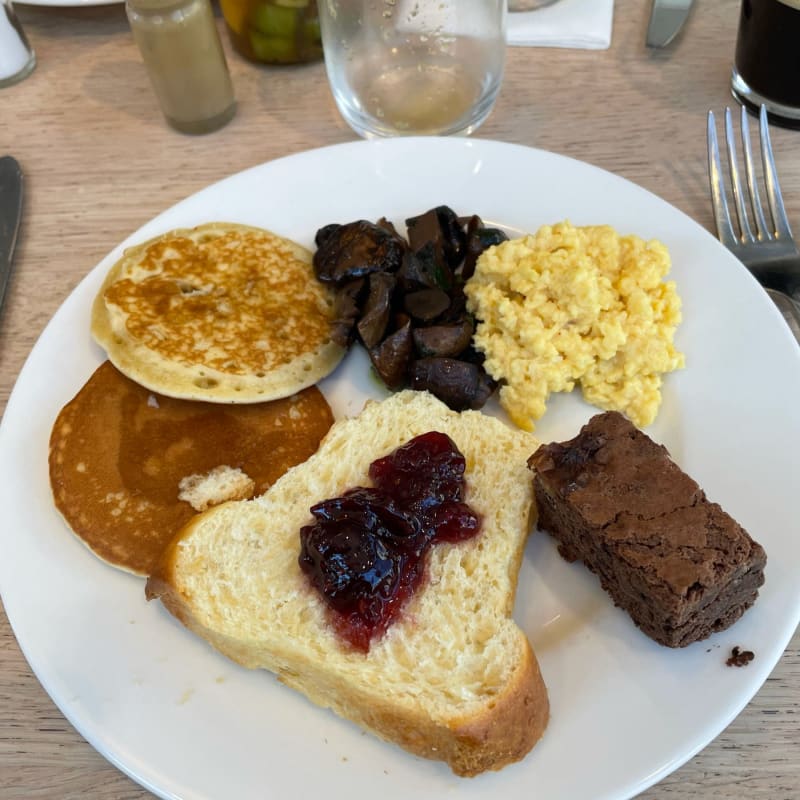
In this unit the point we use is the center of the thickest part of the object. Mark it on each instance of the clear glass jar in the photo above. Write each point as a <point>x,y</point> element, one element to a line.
<point>274,31</point>
<point>180,45</point>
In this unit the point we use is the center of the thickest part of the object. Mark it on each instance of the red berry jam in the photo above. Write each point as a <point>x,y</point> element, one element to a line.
<point>365,551</point>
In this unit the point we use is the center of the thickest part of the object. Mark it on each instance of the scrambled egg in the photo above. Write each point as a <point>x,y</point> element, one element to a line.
<point>574,305</point>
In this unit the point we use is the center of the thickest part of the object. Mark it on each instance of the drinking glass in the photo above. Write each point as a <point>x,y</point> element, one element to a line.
<point>16,56</point>
<point>414,67</point>
<point>767,61</point>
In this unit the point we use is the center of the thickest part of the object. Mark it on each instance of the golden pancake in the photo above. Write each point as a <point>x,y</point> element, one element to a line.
<point>221,312</point>
<point>121,458</point>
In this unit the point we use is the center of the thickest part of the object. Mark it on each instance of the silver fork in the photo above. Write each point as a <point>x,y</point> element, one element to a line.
<point>768,250</point>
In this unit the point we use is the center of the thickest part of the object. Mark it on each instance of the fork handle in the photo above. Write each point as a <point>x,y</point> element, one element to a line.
<point>790,310</point>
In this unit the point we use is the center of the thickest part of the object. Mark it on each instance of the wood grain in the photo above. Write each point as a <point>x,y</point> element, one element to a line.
<point>99,162</point>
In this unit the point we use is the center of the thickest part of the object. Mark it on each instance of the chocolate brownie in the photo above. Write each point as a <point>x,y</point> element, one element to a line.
<point>676,562</point>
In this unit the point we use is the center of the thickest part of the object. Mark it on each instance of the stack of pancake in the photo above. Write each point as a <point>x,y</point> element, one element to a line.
<point>216,337</point>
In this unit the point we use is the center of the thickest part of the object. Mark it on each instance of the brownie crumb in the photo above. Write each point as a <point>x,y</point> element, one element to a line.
<point>740,658</point>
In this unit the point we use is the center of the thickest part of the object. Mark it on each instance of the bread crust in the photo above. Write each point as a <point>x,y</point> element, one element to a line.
<point>513,725</point>
<point>502,734</point>
<point>500,721</point>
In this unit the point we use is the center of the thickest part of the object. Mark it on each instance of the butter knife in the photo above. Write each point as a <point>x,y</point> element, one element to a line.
<point>10,213</point>
<point>666,20</point>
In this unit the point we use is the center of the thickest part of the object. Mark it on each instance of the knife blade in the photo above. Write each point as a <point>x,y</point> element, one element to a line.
<point>10,213</point>
<point>666,20</point>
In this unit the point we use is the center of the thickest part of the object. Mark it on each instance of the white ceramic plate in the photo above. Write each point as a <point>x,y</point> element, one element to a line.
<point>186,723</point>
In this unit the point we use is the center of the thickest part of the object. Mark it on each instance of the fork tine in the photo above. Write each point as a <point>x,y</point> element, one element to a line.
<point>736,182</point>
<point>764,231</point>
<point>719,203</point>
<point>774,195</point>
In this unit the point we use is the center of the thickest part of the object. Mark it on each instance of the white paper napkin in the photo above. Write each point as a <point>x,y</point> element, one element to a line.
<point>567,23</point>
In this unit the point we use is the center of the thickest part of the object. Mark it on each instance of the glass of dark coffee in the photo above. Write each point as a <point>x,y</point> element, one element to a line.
<point>767,63</point>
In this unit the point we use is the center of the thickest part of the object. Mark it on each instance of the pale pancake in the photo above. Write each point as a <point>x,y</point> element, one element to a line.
<point>119,454</point>
<point>221,312</point>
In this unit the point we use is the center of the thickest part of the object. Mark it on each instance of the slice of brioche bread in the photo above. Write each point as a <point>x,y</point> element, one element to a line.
<point>454,678</point>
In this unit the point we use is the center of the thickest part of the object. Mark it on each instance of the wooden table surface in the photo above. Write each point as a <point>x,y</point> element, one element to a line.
<point>99,162</point>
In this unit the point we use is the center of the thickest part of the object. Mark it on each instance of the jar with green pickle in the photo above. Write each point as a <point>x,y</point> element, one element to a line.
<point>274,31</point>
